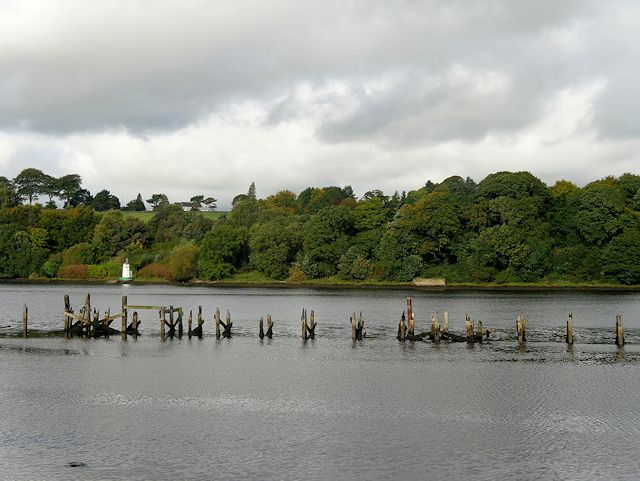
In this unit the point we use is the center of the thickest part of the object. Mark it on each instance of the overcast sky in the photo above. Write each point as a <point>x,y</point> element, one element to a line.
<point>202,97</point>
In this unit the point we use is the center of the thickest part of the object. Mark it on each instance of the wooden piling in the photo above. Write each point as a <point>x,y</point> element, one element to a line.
<point>162,321</point>
<point>269,326</point>
<point>303,321</point>
<point>354,327</point>
<point>67,310</point>
<point>446,323</point>
<point>521,325</point>
<point>217,319</point>
<point>469,330</point>
<point>312,326</point>
<point>261,331</point>
<point>410,318</point>
<point>402,328</point>
<point>87,313</point>
<point>25,319</point>
<point>179,322</point>
<point>124,317</point>
<point>189,323</point>
<point>435,328</point>
<point>619,331</point>
<point>569,337</point>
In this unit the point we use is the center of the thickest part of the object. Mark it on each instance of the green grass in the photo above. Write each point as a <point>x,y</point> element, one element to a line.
<point>146,216</point>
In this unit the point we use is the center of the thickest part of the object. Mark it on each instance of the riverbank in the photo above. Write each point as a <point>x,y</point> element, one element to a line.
<point>335,283</point>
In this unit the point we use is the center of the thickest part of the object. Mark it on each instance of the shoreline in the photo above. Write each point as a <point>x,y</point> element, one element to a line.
<point>335,285</point>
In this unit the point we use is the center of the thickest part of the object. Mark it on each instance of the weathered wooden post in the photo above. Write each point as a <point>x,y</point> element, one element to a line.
<point>217,319</point>
<point>468,327</point>
<point>410,317</point>
<point>446,323</point>
<point>227,326</point>
<point>189,323</point>
<point>87,312</point>
<point>480,331</point>
<point>133,327</point>
<point>67,310</point>
<point>435,328</point>
<point>261,333</point>
<point>162,321</point>
<point>312,326</point>
<point>179,321</point>
<point>199,331</point>
<point>619,331</point>
<point>269,326</point>
<point>124,317</point>
<point>402,328</point>
<point>25,317</point>
<point>354,328</point>
<point>521,325</point>
<point>569,336</point>
<point>360,333</point>
<point>303,321</point>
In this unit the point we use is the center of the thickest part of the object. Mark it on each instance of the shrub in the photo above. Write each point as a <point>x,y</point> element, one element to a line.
<point>74,271</point>
<point>97,272</point>
<point>157,270</point>
<point>77,254</point>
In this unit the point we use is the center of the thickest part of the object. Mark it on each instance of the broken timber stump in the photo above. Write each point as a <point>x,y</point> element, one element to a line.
<point>189,322</point>
<point>269,327</point>
<point>162,322</point>
<point>410,318</point>
<point>402,328</point>
<point>569,337</point>
<point>216,317</point>
<point>261,333</point>
<point>357,328</point>
<point>133,327</point>
<point>435,328</point>
<point>227,326</point>
<point>468,328</point>
<point>124,312</point>
<point>521,325</point>
<point>619,331</point>
<point>25,318</point>
<point>198,330</point>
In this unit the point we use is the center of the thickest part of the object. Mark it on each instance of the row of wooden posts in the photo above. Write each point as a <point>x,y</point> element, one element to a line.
<point>87,322</point>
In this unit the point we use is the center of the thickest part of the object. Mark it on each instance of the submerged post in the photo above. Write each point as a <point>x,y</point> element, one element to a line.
<point>619,331</point>
<point>124,317</point>
<point>25,317</point>
<point>353,327</point>
<point>261,324</point>
<point>446,323</point>
<point>468,328</point>
<point>269,326</point>
<point>189,323</point>
<point>303,321</point>
<point>162,321</point>
<point>435,328</point>
<point>217,319</point>
<point>312,326</point>
<point>521,325</point>
<point>402,328</point>
<point>410,317</point>
<point>569,336</point>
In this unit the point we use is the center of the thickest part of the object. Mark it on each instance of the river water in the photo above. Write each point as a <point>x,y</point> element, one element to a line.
<point>103,409</point>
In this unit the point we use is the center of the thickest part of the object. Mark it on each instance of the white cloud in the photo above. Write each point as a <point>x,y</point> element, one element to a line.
<point>204,97</point>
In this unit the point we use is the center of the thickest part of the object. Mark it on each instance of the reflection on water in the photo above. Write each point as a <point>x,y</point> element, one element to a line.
<point>287,409</point>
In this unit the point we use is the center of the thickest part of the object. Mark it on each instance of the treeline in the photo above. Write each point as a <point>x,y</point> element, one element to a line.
<point>32,184</point>
<point>510,227</point>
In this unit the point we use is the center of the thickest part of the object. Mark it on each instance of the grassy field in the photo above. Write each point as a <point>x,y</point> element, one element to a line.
<point>146,216</point>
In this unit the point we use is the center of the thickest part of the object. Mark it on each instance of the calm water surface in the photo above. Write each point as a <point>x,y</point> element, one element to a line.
<point>286,409</point>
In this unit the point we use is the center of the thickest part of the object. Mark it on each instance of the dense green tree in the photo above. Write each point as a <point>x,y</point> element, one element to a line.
<point>136,205</point>
<point>622,257</point>
<point>273,245</point>
<point>397,255</point>
<point>326,238</point>
<point>158,200</point>
<point>114,233</point>
<point>30,183</point>
<point>196,202</point>
<point>104,201</point>
<point>171,223</point>
<point>8,195</point>
<point>222,250</point>
<point>71,191</point>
